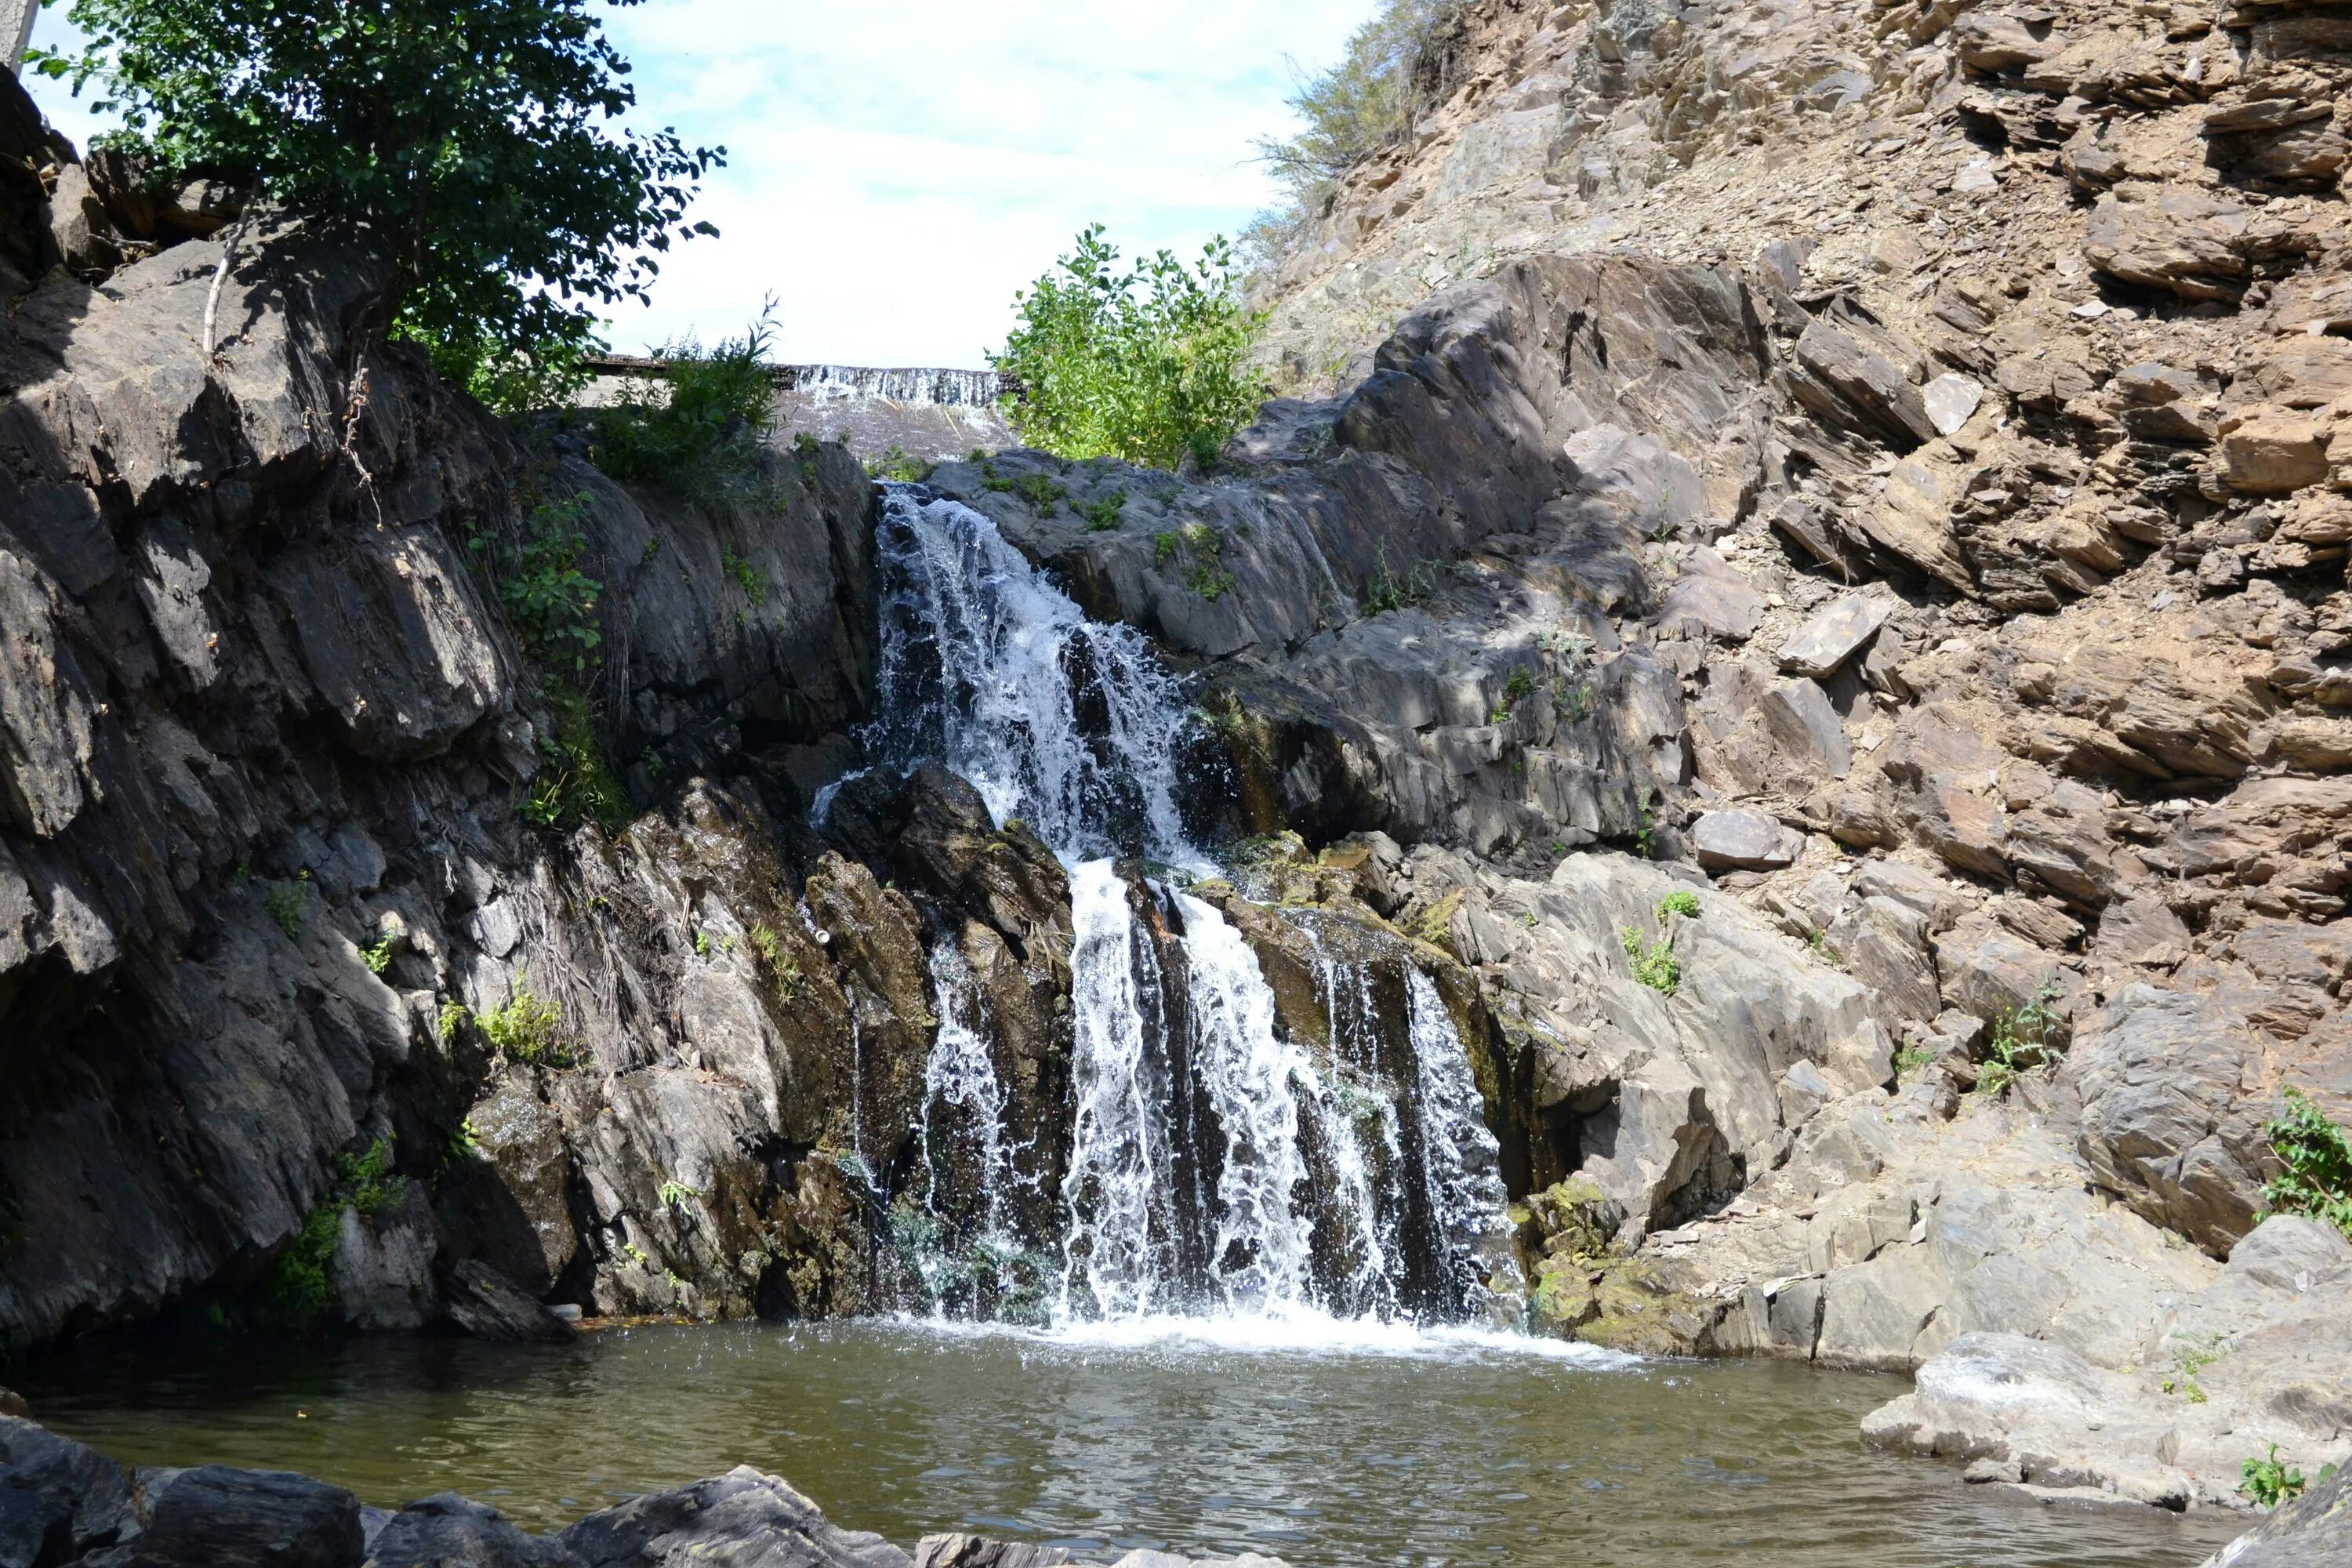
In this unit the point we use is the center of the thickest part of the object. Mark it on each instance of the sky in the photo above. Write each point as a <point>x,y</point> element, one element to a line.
<point>897,168</point>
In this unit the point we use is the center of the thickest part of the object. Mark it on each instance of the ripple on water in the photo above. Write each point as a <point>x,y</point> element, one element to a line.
<point>1324,1441</point>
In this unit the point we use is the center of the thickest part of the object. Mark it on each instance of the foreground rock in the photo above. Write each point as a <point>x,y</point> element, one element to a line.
<point>63,1505</point>
<point>2314,1531</point>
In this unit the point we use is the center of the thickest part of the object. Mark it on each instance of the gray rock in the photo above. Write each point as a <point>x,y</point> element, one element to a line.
<point>1798,716</point>
<point>2312,1532</point>
<point>452,1532</point>
<point>1952,400</point>
<point>1743,840</point>
<point>267,1518</point>
<point>2164,1125</point>
<point>59,1492</point>
<point>979,1551</point>
<point>489,1305</point>
<point>1884,944</point>
<point>742,1517</point>
<point>1834,634</point>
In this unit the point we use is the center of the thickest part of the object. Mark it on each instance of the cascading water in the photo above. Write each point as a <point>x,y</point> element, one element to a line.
<point>1214,1164</point>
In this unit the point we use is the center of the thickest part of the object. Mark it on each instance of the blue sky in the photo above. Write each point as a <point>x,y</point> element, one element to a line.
<point>897,168</point>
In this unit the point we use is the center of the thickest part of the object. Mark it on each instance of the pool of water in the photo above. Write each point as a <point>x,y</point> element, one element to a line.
<point>1323,1447</point>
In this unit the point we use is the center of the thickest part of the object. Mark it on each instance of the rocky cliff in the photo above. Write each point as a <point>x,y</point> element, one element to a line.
<point>1833,605</point>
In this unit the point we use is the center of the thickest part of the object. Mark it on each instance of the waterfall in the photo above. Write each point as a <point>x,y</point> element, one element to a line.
<point>992,670</point>
<point>1215,1165</point>
<point>930,388</point>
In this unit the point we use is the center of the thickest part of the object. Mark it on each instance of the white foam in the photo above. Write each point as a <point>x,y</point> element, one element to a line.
<point>1289,1330</point>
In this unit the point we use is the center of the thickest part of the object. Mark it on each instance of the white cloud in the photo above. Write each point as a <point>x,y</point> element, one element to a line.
<point>897,168</point>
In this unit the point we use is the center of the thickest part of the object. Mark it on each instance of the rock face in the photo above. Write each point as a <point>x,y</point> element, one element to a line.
<point>273,902</point>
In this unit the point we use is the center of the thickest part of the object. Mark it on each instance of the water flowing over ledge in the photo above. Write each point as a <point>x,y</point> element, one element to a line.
<point>1220,1172</point>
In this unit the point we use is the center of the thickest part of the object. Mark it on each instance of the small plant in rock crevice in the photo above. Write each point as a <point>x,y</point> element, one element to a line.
<point>2317,1154</point>
<point>299,1289</point>
<point>899,467</point>
<point>2023,1043</point>
<point>378,954</point>
<point>287,905</point>
<point>1391,590</point>
<point>1102,513</point>
<point>744,575</point>
<point>527,1029</point>
<point>2267,1481</point>
<point>2189,1359</point>
<point>537,578</point>
<point>1655,965</point>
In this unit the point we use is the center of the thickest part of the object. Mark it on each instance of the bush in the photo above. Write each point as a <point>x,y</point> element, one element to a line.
<point>1682,901</point>
<point>1146,366</point>
<point>298,1289</point>
<point>2318,1159</point>
<point>2266,1482</point>
<point>549,601</point>
<point>528,1030</point>
<point>479,142</point>
<point>2021,1042</point>
<point>1395,69</point>
<point>1657,967</point>
<point>703,425</point>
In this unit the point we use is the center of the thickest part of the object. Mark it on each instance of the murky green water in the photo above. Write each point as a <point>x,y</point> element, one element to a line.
<point>1374,1449</point>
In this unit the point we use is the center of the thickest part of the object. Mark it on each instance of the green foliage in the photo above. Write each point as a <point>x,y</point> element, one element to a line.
<point>480,143</point>
<point>1516,690</point>
<point>1656,967</point>
<point>2266,1483</point>
<point>575,783</point>
<point>702,944</point>
<point>297,1289</point>
<point>2318,1160</point>
<point>674,1192</point>
<point>1102,513</point>
<point>1394,591</point>
<point>1682,901</point>
<point>2191,1358</point>
<point>1395,67</point>
<point>1147,364</point>
<point>1910,1059</point>
<point>1041,493</point>
<point>2021,1044</point>
<point>1646,843</point>
<point>744,575</point>
<point>528,1031</point>
<point>464,1144</point>
<point>289,904</point>
<point>549,601</point>
<point>454,1015</point>
<point>378,954</point>
<point>899,467</point>
<point>702,427</point>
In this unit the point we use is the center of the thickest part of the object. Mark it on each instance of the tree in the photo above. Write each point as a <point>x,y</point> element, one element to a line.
<point>1145,365</point>
<point>476,138</point>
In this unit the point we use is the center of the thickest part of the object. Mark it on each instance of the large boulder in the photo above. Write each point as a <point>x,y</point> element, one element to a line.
<point>742,1517</point>
<point>265,1518</point>
<point>2168,1123</point>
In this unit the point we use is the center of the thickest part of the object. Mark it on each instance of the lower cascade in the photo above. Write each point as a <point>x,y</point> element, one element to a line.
<point>1215,1165</point>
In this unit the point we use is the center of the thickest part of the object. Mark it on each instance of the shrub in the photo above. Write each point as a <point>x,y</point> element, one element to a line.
<point>1102,513</point>
<point>549,601</point>
<point>575,783</point>
<point>288,905</point>
<point>1656,967</point>
<point>1395,67</point>
<point>1394,591</point>
<point>1148,364</point>
<point>528,1030</point>
<point>2021,1042</point>
<point>479,142</point>
<point>702,427</point>
<point>1682,901</point>
<point>378,954</point>
<point>2317,1155</point>
<point>2266,1483</point>
<point>901,467</point>
<point>297,1289</point>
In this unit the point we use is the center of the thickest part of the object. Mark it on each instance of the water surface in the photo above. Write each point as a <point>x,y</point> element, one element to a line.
<point>1324,1447</point>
